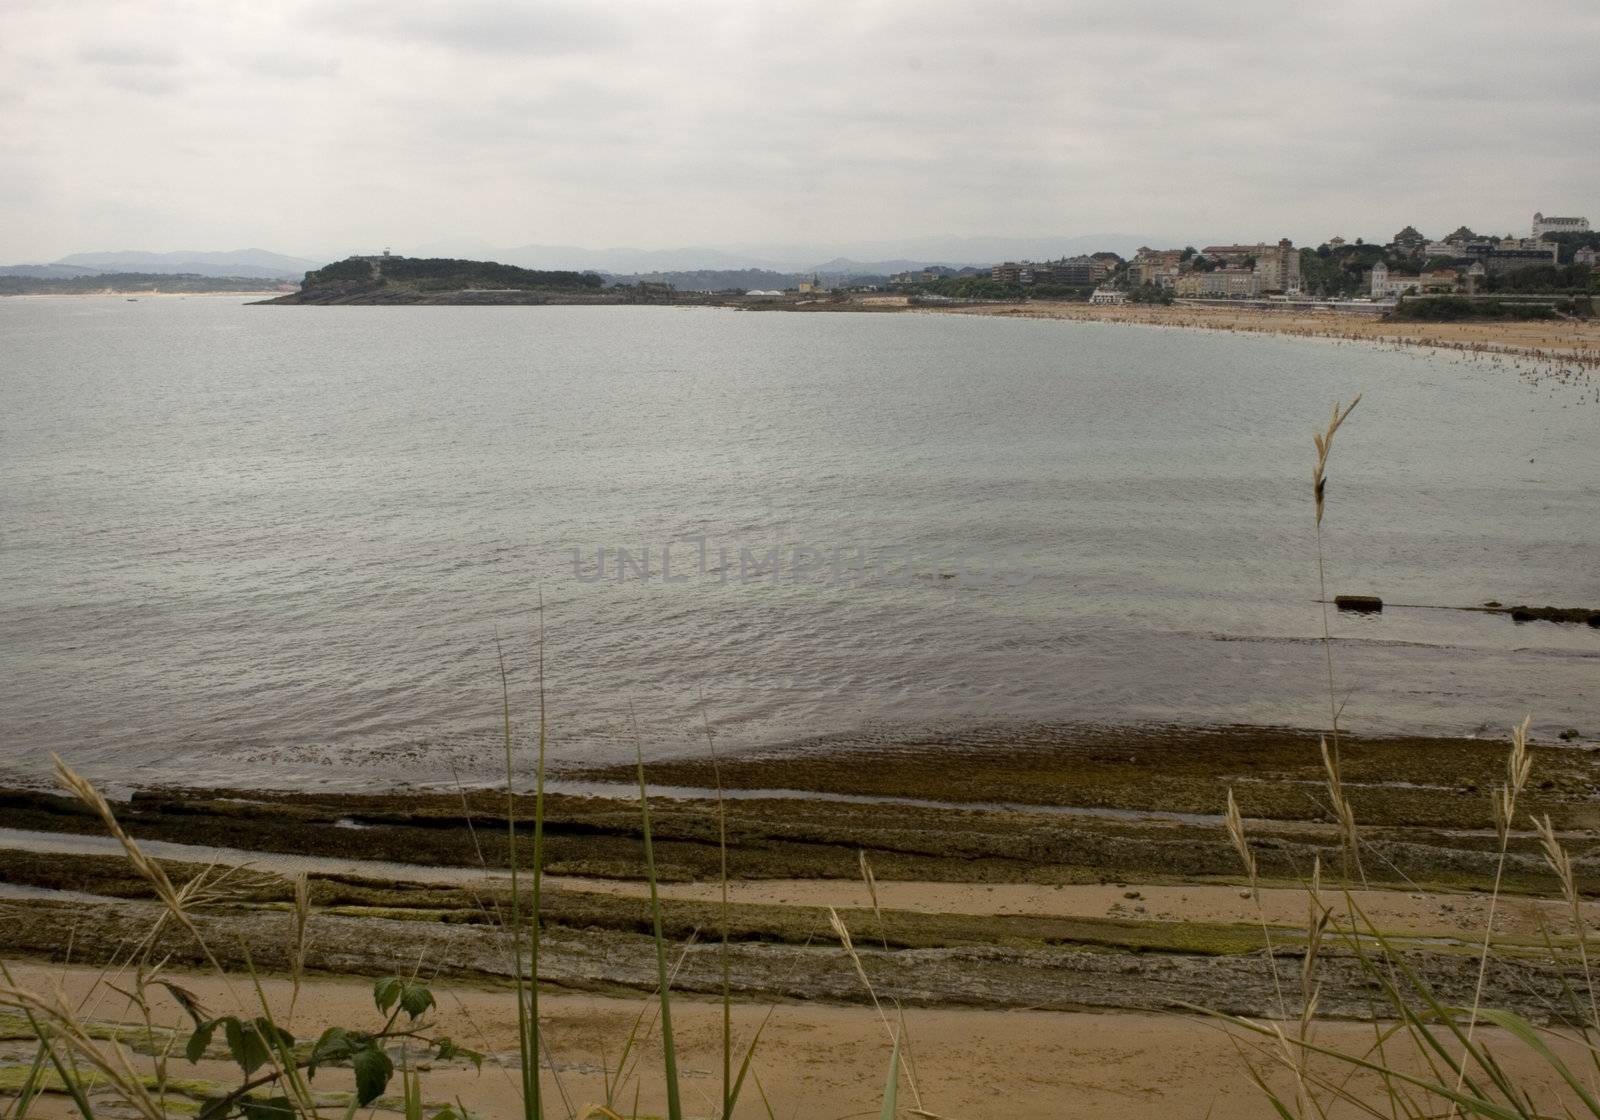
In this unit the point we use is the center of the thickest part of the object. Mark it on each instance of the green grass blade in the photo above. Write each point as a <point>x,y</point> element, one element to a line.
<point>729,1095</point>
<point>674,1105</point>
<point>891,1088</point>
<point>1523,1031</point>
<point>527,1043</point>
<point>30,1086</point>
<point>1469,1105</point>
<point>744,1066</point>
<point>411,1086</point>
<point>536,933</point>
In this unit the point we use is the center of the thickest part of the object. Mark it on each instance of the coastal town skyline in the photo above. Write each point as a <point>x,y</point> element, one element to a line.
<point>994,252</point>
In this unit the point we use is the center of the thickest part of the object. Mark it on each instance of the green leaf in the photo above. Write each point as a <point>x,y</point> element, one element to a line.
<point>274,1108</point>
<point>335,1045</point>
<point>273,1034</point>
<point>415,999</point>
<point>246,1045</point>
<point>412,997</point>
<point>448,1050</point>
<point>386,992</point>
<point>373,1070</point>
<point>200,1040</point>
<point>891,1089</point>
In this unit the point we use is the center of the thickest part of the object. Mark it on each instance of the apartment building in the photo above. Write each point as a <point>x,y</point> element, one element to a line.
<point>1159,267</point>
<point>1229,282</point>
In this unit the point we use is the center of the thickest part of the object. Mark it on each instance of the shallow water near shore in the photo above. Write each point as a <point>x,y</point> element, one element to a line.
<point>274,546</point>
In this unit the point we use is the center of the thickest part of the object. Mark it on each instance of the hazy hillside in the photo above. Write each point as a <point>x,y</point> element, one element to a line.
<point>92,283</point>
<point>256,263</point>
<point>47,271</point>
<point>840,260</point>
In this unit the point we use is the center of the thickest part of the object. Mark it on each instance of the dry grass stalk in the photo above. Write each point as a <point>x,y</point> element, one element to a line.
<point>1235,825</point>
<point>1236,832</point>
<point>1316,926</point>
<point>1319,483</point>
<point>299,916</point>
<point>53,1013</point>
<point>1561,863</point>
<point>842,932</point>
<point>1234,822</point>
<point>872,892</point>
<point>1324,442</point>
<point>1344,813</point>
<point>1519,765</point>
<point>176,904</point>
<point>151,871</point>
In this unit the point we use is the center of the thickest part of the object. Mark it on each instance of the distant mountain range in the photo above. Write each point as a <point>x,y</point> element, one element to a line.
<point>254,263</point>
<point>831,261</point>
<point>867,258</point>
<point>47,271</point>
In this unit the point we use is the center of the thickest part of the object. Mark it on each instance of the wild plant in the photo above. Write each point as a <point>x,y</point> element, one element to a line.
<point>1451,1070</point>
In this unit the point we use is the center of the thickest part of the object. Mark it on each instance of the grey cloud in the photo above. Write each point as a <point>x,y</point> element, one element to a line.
<point>154,85</point>
<point>289,67</point>
<point>129,55</point>
<point>658,124</point>
<point>497,27</point>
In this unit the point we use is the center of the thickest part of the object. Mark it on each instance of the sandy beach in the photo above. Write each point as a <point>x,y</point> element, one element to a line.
<point>1573,341</point>
<point>814,1060</point>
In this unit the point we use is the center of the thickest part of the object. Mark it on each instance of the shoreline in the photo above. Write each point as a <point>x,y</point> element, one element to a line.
<point>1548,342</point>
<point>142,294</point>
<point>1575,341</point>
<point>990,896</point>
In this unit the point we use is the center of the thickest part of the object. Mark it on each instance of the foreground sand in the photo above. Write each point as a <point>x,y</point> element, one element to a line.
<point>814,1061</point>
<point>1052,906</point>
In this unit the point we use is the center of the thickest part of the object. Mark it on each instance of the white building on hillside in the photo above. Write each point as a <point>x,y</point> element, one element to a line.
<point>1385,286</point>
<point>1543,225</point>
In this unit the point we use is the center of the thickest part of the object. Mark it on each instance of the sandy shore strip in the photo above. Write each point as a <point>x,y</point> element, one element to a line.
<point>1574,341</point>
<point>1408,912</point>
<point>814,1060</point>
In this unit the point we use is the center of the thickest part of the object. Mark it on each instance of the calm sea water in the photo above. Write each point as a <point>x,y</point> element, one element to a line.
<point>276,545</point>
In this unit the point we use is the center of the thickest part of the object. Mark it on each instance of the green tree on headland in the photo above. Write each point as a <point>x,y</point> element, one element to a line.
<point>442,274</point>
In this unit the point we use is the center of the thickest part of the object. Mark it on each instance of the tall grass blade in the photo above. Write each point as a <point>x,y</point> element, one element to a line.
<point>536,928</point>
<point>891,1088</point>
<point>30,1084</point>
<point>1523,1032</point>
<point>728,1093</point>
<point>669,1051</point>
<point>411,1088</point>
<point>528,1051</point>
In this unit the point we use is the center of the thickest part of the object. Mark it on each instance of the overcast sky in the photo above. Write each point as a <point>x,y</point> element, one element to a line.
<point>323,128</point>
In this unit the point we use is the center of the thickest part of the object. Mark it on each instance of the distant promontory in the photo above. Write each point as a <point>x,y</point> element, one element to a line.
<point>386,279</point>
